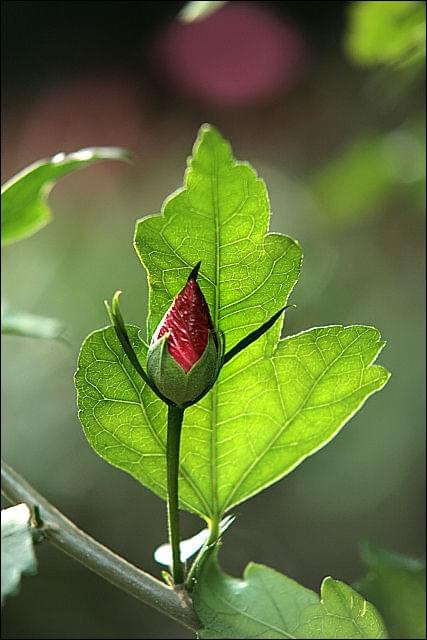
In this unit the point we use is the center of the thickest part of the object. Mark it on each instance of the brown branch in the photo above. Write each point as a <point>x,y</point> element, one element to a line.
<point>64,535</point>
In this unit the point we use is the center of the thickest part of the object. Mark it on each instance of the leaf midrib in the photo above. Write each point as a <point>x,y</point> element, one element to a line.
<point>214,403</point>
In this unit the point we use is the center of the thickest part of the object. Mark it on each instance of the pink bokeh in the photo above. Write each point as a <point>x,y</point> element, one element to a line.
<point>240,55</point>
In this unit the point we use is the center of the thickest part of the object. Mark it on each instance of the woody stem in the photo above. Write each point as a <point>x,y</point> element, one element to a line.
<point>175,417</point>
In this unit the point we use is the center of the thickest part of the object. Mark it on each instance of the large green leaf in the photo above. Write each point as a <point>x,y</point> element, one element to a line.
<point>275,403</point>
<point>268,604</point>
<point>17,553</point>
<point>397,586</point>
<point>24,197</point>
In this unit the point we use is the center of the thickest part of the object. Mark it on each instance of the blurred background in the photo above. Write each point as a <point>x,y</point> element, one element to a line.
<point>326,101</point>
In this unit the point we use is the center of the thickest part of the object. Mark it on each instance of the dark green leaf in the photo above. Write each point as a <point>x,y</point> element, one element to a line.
<point>268,604</point>
<point>397,586</point>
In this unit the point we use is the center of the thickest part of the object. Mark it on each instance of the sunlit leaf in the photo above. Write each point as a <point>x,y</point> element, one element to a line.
<point>275,403</point>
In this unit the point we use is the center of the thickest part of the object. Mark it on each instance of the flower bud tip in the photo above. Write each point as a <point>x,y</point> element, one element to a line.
<point>194,272</point>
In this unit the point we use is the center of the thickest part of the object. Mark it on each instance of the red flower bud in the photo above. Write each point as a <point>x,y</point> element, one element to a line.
<point>188,322</point>
<point>184,359</point>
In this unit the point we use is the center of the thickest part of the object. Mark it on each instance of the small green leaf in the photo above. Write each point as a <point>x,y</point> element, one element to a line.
<point>397,586</point>
<point>18,323</point>
<point>17,553</point>
<point>276,402</point>
<point>199,9</point>
<point>24,197</point>
<point>268,604</point>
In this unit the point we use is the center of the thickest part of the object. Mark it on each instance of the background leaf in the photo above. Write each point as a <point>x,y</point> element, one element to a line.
<point>24,197</point>
<point>19,323</point>
<point>387,32</point>
<point>17,553</point>
<point>397,586</point>
<point>199,9</point>
<point>369,171</point>
<point>273,404</point>
<point>267,604</point>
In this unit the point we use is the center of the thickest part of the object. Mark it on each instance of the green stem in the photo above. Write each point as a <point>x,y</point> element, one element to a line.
<point>175,417</point>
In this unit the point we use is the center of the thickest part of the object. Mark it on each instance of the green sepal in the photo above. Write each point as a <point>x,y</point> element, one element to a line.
<point>183,389</point>
<point>220,338</point>
<point>122,335</point>
<point>254,335</point>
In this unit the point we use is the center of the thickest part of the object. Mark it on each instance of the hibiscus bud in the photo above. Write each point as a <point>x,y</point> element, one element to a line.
<point>184,355</point>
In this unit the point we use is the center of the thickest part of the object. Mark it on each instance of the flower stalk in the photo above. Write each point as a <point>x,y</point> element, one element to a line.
<point>175,417</point>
